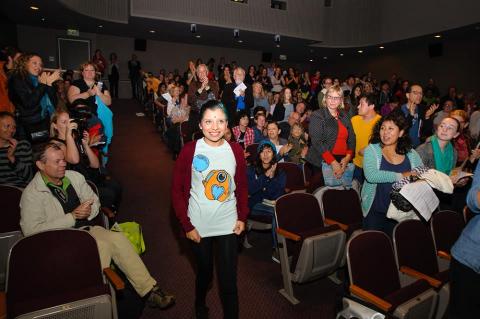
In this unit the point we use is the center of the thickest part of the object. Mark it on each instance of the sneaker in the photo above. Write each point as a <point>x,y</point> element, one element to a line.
<point>276,256</point>
<point>201,312</point>
<point>160,299</point>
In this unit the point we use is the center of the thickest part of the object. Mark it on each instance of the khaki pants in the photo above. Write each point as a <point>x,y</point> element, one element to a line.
<point>115,246</point>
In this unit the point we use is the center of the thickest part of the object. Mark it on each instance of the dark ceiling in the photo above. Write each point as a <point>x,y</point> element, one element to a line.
<point>51,14</point>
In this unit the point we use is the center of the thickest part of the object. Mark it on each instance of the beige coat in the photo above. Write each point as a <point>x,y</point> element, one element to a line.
<point>40,210</point>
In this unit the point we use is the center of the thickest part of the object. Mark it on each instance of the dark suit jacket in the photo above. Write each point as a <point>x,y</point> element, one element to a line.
<point>228,99</point>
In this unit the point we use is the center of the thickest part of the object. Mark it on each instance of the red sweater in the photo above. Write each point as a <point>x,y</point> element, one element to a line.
<point>182,182</point>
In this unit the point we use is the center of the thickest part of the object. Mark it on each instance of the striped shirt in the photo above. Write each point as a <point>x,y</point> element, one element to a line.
<point>21,172</point>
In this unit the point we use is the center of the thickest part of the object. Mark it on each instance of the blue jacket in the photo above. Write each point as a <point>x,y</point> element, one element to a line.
<point>373,175</point>
<point>261,187</point>
<point>467,248</point>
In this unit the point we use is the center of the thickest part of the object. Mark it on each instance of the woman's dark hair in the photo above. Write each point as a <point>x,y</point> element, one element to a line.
<point>354,100</point>
<point>404,144</point>
<point>213,105</point>
<point>259,169</point>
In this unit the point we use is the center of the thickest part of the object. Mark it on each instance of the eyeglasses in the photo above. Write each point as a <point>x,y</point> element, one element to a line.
<point>334,98</point>
<point>448,127</point>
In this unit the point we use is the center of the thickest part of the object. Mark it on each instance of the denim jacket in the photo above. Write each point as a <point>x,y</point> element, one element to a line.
<point>467,248</point>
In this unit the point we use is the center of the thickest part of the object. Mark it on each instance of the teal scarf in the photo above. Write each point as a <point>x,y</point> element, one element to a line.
<point>443,160</point>
<point>45,103</point>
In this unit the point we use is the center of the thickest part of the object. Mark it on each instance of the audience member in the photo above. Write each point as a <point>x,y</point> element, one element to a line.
<point>100,62</point>
<point>238,96</point>
<point>113,74</point>
<point>201,89</point>
<point>284,106</point>
<point>259,128</point>
<point>11,55</point>
<point>440,115</point>
<point>362,125</point>
<point>298,139</point>
<point>387,159</point>
<point>243,134</point>
<point>60,198</point>
<point>293,118</point>
<point>134,74</point>
<point>16,163</point>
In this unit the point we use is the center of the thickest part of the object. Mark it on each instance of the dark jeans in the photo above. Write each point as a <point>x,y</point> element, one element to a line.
<point>464,283</point>
<point>113,81</point>
<point>379,221</point>
<point>226,247</point>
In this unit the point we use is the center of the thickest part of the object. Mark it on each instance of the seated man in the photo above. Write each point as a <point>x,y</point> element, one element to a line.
<point>59,198</point>
<point>16,164</point>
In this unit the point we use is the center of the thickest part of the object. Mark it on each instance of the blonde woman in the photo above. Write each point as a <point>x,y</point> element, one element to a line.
<point>259,97</point>
<point>331,133</point>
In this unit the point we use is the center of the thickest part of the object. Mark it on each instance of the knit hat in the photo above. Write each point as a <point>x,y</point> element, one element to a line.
<point>264,143</point>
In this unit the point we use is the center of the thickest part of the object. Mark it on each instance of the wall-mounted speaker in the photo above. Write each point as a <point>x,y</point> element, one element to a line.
<point>266,56</point>
<point>140,45</point>
<point>435,49</point>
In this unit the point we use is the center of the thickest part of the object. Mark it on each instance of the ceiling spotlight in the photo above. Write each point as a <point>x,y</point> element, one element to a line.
<point>240,41</point>
<point>198,36</point>
<point>437,36</point>
<point>360,51</point>
<point>276,38</point>
<point>34,8</point>
<point>100,26</point>
<point>311,60</point>
<point>341,54</point>
<point>43,19</point>
<point>193,28</point>
<point>325,58</point>
<point>381,47</point>
<point>278,45</point>
<point>236,33</point>
<point>152,31</point>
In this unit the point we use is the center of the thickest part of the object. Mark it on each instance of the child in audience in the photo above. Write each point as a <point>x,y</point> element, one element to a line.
<point>298,139</point>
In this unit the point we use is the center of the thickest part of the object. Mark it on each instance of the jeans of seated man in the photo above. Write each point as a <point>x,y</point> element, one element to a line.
<point>260,209</point>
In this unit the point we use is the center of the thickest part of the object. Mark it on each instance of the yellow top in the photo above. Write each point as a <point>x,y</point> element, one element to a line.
<point>363,130</point>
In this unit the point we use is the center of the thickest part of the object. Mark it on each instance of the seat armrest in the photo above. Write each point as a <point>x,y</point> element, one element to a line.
<point>330,222</point>
<point>289,235</point>
<point>444,255</point>
<point>3,305</point>
<point>107,211</point>
<point>414,273</point>
<point>114,279</point>
<point>368,296</point>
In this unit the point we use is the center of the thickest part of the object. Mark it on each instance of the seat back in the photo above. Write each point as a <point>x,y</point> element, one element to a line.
<point>342,205</point>
<point>54,268</point>
<point>414,247</point>
<point>321,249</point>
<point>294,174</point>
<point>446,227</point>
<point>371,263</point>
<point>10,226</point>
<point>185,132</point>
<point>101,219</point>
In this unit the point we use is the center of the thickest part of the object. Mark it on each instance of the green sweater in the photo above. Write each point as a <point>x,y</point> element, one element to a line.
<point>373,175</point>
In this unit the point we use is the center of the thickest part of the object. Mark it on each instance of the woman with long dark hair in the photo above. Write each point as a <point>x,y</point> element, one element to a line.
<point>388,158</point>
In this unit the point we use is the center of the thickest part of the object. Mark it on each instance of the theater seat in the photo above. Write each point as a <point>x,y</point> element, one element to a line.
<point>295,180</point>
<point>49,276</point>
<point>308,249</point>
<point>374,278</point>
<point>446,226</point>
<point>417,259</point>
<point>10,231</point>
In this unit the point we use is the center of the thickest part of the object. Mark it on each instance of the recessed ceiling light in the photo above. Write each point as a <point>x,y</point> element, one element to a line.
<point>278,45</point>
<point>100,26</point>
<point>381,47</point>
<point>240,41</point>
<point>325,58</point>
<point>34,8</point>
<point>311,60</point>
<point>152,31</point>
<point>360,51</point>
<point>198,36</point>
<point>43,19</point>
<point>437,36</point>
<point>341,54</point>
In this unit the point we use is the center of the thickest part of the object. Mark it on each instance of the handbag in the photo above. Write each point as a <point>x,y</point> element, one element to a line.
<point>133,232</point>
<point>330,179</point>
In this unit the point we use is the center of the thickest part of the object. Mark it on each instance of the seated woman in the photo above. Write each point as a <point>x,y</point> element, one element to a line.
<point>438,152</point>
<point>284,106</point>
<point>388,158</point>
<point>243,134</point>
<point>463,142</point>
<point>265,182</point>
<point>80,156</point>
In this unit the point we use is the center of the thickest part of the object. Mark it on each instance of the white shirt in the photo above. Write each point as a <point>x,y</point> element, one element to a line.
<point>212,206</point>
